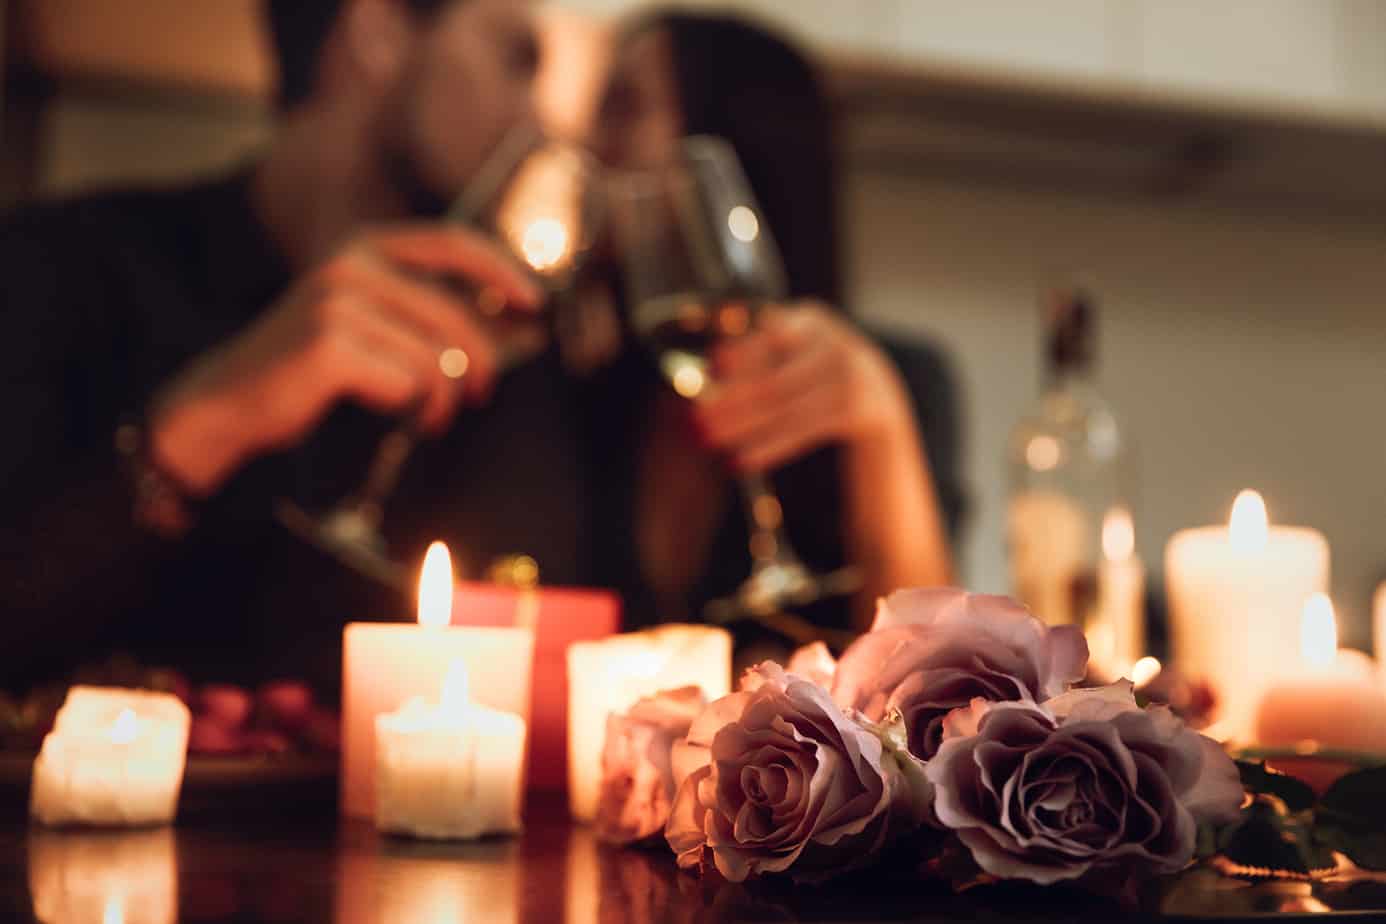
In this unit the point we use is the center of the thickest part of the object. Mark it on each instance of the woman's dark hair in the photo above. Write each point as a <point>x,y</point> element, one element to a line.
<point>741,81</point>
<point>298,29</point>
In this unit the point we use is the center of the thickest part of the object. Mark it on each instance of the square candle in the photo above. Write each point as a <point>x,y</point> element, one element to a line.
<point>114,757</point>
<point>385,665</point>
<point>610,675</point>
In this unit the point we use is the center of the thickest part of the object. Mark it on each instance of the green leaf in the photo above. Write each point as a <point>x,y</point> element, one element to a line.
<point>1258,778</point>
<point>1207,844</point>
<point>1270,840</point>
<point>1365,848</point>
<point>1357,801</point>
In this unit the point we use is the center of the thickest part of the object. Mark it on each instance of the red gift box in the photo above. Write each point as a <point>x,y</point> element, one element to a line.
<point>559,616</point>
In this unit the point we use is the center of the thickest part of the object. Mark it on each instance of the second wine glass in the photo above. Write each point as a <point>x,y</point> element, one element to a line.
<point>699,261</point>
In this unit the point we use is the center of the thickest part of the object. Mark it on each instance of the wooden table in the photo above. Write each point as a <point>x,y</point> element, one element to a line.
<point>306,866</point>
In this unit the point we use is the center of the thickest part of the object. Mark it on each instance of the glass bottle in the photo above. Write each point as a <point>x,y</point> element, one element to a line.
<point>1069,528</point>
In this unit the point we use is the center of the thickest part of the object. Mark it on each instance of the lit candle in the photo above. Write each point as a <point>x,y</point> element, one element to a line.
<point>127,877</point>
<point>114,757</point>
<point>1116,631</point>
<point>610,675</point>
<point>1235,595</point>
<point>559,616</point>
<point>450,770</point>
<point>1330,701</point>
<point>385,665</point>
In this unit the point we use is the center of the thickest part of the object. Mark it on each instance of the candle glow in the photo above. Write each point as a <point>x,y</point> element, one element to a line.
<point>1249,526</point>
<point>544,243</point>
<point>1118,535</point>
<point>435,587</point>
<point>1145,670</point>
<point>1318,632</point>
<point>126,727</point>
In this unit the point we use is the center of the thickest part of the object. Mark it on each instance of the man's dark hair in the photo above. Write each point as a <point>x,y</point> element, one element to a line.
<point>299,28</point>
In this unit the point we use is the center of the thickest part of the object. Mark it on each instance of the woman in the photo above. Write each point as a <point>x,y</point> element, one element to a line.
<point>860,437</point>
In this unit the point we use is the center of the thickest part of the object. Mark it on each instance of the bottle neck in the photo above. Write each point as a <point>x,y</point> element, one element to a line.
<point>1069,375</point>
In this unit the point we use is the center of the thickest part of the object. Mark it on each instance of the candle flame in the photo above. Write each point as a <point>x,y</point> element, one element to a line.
<point>1145,670</point>
<point>456,692</point>
<point>1318,631</point>
<point>126,727</point>
<point>113,911</point>
<point>544,243</point>
<point>1118,535</point>
<point>435,587</point>
<point>1249,527</point>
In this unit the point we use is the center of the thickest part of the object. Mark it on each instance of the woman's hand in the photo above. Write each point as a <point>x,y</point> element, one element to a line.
<point>804,378</point>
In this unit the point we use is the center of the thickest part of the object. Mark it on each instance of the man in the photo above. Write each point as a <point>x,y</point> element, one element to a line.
<point>250,340</point>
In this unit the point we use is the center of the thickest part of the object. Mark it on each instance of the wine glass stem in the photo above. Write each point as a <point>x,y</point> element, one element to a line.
<point>383,476</point>
<point>765,518</point>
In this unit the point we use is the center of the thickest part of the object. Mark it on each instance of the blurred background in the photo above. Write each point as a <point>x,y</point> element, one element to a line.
<point>1217,172</point>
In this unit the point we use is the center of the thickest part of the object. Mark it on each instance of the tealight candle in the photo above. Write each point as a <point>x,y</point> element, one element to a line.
<point>451,770</point>
<point>385,665</point>
<point>129,877</point>
<point>610,675</point>
<point>1235,594</point>
<point>114,757</point>
<point>1331,701</point>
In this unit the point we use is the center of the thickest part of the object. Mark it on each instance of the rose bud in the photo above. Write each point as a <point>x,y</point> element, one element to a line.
<point>227,704</point>
<point>286,704</point>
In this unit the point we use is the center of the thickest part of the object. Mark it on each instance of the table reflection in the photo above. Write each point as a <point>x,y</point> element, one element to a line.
<point>103,877</point>
<point>388,880</point>
<point>551,874</point>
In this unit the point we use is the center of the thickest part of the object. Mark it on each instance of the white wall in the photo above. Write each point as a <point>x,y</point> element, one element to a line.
<point>1240,350</point>
<point>1326,57</point>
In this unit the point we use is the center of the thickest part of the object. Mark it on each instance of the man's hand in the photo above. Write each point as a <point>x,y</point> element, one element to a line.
<point>365,325</point>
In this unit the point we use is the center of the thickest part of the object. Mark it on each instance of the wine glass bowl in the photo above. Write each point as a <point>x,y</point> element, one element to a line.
<point>699,260</point>
<point>542,201</point>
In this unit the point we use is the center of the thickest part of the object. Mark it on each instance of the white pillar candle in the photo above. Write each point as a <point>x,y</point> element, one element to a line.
<point>1116,630</point>
<point>610,675</point>
<point>1235,596</point>
<point>384,665</point>
<point>128,876</point>
<point>451,769</point>
<point>114,757</point>
<point>1329,700</point>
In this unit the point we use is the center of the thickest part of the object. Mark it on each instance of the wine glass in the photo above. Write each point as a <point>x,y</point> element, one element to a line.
<point>698,261</point>
<point>542,201</point>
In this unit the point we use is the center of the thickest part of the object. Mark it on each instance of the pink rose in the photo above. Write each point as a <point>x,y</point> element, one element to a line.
<point>931,651</point>
<point>1088,781</point>
<point>637,777</point>
<point>779,779</point>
